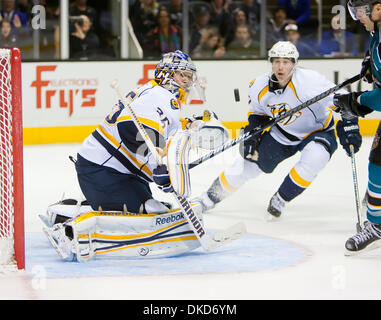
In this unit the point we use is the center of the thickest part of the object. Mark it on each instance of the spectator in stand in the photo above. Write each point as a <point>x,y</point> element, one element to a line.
<point>17,18</point>
<point>211,45</point>
<point>80,7</point>
<point>143,15</point>
<point>252,11</point>
<point>337,42</point>
<point>275,28</point>
<point>243,45</point>
<point>83,42</point>
<point>239,19</point>
<point>7,37</point>
<point>175,9</point>
<point>220,16</point>
<point>293,35</point>
<point>201,24</point>
<point>163,38</point>
<point>298,12</point>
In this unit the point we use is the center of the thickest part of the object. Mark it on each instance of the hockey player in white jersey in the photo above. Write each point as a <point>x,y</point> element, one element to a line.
<point>115,169</point>
<point>309,131</point>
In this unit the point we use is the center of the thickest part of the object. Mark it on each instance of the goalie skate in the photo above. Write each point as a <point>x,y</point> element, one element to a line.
<point>61,242</point>
<point>63,210</point>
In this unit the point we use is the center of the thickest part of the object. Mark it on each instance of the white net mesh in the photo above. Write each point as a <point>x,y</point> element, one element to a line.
<point>6,160</point>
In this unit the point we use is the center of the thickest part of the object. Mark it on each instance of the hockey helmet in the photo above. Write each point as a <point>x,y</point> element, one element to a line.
<point>284,49</point>
<point>358,7</point>
<point>170,63</point>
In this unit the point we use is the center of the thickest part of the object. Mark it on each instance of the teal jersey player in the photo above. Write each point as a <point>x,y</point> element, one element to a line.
<point>359,104</point>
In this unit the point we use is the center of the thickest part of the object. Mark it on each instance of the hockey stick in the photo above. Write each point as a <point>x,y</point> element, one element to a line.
<point>272,122</point>
<point>206,241</point>
<point>356,188</point>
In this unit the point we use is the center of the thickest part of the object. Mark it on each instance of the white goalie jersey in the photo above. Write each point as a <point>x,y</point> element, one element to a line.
<point>304,85</point>
<point>116,142</point>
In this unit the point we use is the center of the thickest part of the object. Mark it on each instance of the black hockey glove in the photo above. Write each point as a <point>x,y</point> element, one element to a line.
<point>366,69</point>
<point>348,103</point>
<point>349,134</point>
<point>160,176</point>
<point>248,147</point>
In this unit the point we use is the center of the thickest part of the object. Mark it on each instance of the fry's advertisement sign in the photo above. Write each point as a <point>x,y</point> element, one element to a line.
<point>78,93</point>
<point>63,92</point>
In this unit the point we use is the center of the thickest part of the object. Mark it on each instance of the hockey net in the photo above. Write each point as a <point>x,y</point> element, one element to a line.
<point>11,161</point>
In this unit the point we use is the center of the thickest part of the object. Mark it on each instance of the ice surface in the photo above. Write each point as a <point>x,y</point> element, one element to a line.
<point>299,256</point>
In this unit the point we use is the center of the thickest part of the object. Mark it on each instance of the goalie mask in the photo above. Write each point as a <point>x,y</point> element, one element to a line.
<point>177,73</point>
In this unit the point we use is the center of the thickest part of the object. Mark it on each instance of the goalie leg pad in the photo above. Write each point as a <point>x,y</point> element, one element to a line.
<point>129,235</point>
<point>178,163</point>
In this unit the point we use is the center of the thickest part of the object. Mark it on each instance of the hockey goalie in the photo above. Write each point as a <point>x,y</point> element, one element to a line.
<point>115,169</point>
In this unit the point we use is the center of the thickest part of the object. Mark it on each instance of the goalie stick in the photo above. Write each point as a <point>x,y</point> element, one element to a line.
<point>206,241</point>
<point>273,121</point>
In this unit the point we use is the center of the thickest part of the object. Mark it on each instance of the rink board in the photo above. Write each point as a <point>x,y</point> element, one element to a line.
<point>251,253</point>
<point>64,101</point>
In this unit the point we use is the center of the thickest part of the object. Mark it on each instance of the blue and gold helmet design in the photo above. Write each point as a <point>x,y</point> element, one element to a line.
<point>169,64</point>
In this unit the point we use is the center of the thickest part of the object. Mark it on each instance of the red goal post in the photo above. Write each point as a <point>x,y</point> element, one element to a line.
<point>12,242</point>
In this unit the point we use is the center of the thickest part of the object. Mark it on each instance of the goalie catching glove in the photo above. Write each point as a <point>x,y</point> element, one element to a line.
<point>207,132</point>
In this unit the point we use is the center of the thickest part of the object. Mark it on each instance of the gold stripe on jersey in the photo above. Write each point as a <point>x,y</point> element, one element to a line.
<point>138,164</point>
<point>153,82</point>
<point>298,179</point>
<point>147,122</point>
<point>292,87</point>
<point>325,125</point>
<point>328,120</point>
<point>262,93</point>
<point>225,183</point>
<point>257,113</point>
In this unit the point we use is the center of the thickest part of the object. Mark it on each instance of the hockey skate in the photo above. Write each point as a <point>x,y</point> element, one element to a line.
<point>367,239</point>
<point>63,210</point>
<point>275,207</point>
<point>61,240</point>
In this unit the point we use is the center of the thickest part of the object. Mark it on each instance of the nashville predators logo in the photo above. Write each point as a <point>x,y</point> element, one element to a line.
<point>174,104</point>
<point>279,109</point>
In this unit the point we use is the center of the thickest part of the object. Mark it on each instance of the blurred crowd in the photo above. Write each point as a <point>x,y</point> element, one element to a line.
<point>217,29</point>
<point>93,30</point>
<point>231,29</point>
